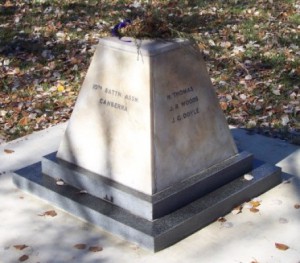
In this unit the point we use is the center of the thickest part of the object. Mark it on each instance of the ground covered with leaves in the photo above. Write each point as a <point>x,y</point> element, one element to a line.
<point>252,51</point>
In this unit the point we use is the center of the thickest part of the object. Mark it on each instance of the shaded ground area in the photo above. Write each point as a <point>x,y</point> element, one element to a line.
<point>251,49</point>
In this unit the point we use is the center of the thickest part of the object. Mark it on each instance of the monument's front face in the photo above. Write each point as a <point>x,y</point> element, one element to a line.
<point>147,116</point>
<point>110,130</point>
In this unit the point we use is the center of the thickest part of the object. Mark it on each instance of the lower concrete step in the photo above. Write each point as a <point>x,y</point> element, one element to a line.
<point>157,234</point>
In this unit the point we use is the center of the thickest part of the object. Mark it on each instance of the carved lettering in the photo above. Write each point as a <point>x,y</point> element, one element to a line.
<point>113,104</point>
<point>184,105</point>
<point>107,93</point>
<point>113,92</point>
<point>131,98</point>
<point>189,101</point>
<point>96,86</point>
<point>190,113</point>
<point>182,92</point>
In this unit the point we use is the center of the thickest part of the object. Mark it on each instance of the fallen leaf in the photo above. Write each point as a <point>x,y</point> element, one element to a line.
<point>60,88</point>
<point>23,121</point>
<point>222,219</point>
<point>60,35</point>
<point>8,151</point>
<point>20,247</point>
<point>254,210</point>
<point>248,77</point>
<point>3,113</point>
<point>95,249</point>
<point>248,177</point>
<point>211,42</point>
<point>254,203</point>
<point>223,105</point>
<point>281,246</point>
<point>80,246</point>
<point>8,4</point>
<point>237,210</point>
<point>285,120</point>
<point>23,258</point>
<point>60,182</point>
<point>225,44</point>
<point>276,92</point>
<point>243,96</point>
<point>297,206</point>
<point>51,213</point>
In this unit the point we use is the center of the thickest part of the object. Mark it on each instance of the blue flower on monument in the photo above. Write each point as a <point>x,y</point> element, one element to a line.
<point>116,30</point>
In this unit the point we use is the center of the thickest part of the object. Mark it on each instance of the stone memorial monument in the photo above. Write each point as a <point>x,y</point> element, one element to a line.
<point>150,147</point>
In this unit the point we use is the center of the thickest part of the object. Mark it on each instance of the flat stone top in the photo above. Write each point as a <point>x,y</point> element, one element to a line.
<point>147,47</point>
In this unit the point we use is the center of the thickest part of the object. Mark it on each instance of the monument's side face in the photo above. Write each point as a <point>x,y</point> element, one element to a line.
<point>109,131</point>
<point>190,130</point>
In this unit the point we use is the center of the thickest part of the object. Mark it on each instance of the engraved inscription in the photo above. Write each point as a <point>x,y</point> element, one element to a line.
<point>189,101</point>
<point>114,98</point>
<point>182,92</point>
<point>96,86</point>
<point>113,92</point>
<point>113,104</point>
<point>131,98</point>
<point>183,104</point>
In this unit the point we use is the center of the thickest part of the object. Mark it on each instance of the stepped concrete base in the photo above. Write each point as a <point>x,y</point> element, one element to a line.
<point>157,234</point>
<point>154,206</point>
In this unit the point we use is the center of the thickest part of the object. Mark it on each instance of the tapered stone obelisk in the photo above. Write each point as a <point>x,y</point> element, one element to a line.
<point>147,116</point>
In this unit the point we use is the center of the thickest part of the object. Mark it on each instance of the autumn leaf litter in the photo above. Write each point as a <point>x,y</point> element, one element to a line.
<point>251,50</point>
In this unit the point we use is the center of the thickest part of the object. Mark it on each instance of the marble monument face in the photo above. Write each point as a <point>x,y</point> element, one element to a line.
<point>147,116</point>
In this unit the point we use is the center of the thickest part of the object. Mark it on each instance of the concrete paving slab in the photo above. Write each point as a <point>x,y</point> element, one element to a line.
<point>29,149</point>
<point>248,236</point>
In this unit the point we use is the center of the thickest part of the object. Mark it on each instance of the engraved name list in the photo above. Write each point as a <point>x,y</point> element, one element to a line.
<point>183,104</point>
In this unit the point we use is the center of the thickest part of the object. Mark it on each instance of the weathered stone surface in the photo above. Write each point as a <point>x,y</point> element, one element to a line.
<point>147,116</point>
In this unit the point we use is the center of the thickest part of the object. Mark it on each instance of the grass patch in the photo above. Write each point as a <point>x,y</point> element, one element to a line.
<point>295,19</point>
